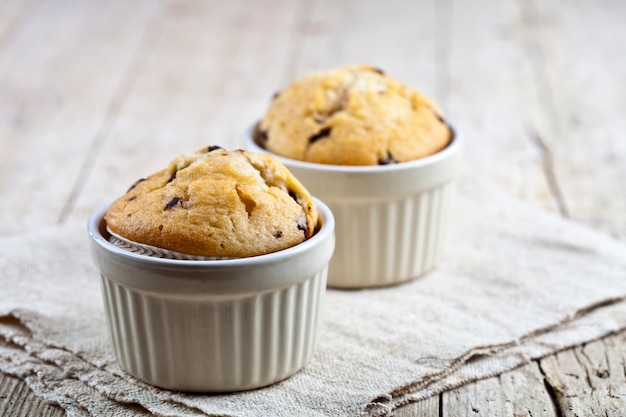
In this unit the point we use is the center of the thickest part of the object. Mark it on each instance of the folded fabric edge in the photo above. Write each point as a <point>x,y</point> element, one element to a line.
<point>40,377</point>
<point>46,369</point>
<point>494,360</point>
<point>62,387</point>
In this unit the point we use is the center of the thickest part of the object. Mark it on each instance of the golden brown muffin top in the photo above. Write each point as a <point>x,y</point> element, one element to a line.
<point>216,203</point>
<point>354,115</point>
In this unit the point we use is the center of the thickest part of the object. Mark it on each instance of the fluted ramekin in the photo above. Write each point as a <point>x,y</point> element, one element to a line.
<point>214,325</point>
<point>391,220</point>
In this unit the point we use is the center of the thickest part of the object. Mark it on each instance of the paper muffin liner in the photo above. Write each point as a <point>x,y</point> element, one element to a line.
<point>154,251</point>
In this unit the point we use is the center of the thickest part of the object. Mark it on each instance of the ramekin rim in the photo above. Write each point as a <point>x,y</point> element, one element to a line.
<point>327,228</point>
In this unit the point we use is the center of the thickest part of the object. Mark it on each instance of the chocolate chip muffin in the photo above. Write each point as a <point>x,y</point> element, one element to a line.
<point>216,203</point>
<point>354,115</point>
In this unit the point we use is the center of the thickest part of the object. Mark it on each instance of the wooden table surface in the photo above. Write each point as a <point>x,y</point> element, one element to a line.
<point>94,94</point>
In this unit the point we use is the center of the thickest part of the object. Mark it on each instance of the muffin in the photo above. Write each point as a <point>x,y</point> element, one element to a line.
<point>354,115</point>
<point>216,203</point>
<point>383,159</point>
<point>215,278</point>
<point>213,325</point>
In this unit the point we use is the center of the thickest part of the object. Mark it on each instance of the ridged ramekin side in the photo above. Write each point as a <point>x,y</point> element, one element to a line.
<point>388,241</point>
<point>214,343</point>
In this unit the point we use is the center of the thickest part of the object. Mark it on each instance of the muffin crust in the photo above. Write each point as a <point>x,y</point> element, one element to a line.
<point>354,115</point>
<point>216,203</point>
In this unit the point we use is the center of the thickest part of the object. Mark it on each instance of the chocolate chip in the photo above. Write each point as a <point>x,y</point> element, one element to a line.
<point>275,96</point>
<point>173,202</point>
<point>278,234</point>
<point>213,148</point>
<point>135,184</point>
<point>303,227</point>
<point>132,198</point>
<point>172,177</point>
<point>321,134</point>
<point>389,159</point>
<point>378,70</point>
<point>259,136</point>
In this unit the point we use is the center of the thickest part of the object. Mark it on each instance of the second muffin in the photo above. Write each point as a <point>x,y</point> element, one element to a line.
<point>355,115</point>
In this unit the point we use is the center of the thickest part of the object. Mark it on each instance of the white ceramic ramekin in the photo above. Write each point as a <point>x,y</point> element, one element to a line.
<point>217,325</point>
<point>391,220</point>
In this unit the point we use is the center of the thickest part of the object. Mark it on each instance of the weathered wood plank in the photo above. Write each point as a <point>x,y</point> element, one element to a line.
<point>524,393</point>
<point>209,75</point>
<point>52,105</point>
<point>513,394</point>
<point>482,398</point>
<point>401,39</point>
<point>491,86</point>
<point>16,400</point>
<point>425,408</point>
<point>578,75</point>
<point>589,380</point>
<point>11,13</point>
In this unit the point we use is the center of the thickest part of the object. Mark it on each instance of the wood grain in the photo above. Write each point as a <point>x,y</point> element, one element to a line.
<point>16,400</point>
<point>52,106</point>
<point>224,89</point>
<point>512,394</point>
<point>575,71</point>
<point>487,59</point>
<point>589,380</point>
<point>426,408</point>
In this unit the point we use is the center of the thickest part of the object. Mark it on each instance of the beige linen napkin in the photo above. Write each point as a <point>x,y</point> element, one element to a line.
<point>516,284</point>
